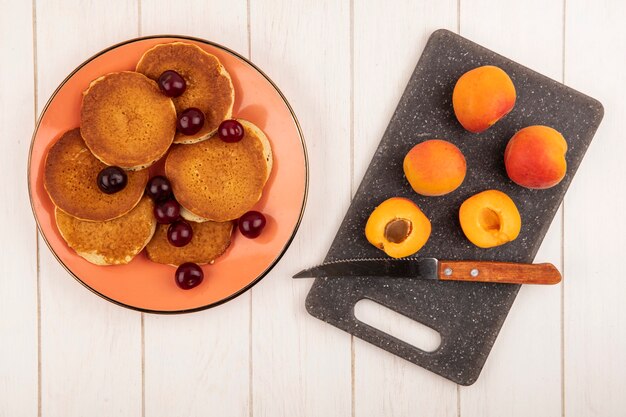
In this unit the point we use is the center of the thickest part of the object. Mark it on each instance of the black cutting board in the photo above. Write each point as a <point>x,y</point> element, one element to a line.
<point>468,316</point>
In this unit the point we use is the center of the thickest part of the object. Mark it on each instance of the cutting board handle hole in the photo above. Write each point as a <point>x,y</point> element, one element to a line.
<point>397,325</point>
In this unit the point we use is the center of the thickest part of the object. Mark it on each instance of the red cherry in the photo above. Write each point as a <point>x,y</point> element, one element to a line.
<point>230,131</point>
<point>251,224</point>
<point>159,188</point>
<point>172,84</point>
<point>166,211</point>
<point>188,276</point>
<point>190,121</point>
<point>112,179</point>
<point>179,233</point>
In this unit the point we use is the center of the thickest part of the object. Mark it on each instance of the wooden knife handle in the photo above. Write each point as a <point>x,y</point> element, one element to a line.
<point>502,272</point>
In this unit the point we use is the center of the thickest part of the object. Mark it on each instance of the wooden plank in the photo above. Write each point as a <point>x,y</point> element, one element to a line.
<point>198,364</point>
<point>300,365</point>
<point>388,41</point>
<point>221,21</point>
<point>208,367</point>
<point>595,231</point>
<point>91,349</point>
<point>18,259</point>
<point>526,358</point>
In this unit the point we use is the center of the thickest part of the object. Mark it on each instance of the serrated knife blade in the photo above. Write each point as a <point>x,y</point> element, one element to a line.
<point>423,268</point>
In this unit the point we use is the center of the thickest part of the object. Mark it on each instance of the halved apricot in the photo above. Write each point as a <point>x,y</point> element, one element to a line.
<point>398,227</point>
<point>490,218</point>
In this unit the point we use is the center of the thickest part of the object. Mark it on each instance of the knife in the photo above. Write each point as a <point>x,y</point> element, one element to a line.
<point>434,269</point>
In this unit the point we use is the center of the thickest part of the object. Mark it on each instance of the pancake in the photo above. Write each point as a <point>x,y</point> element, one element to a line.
<point>219,181</point>
<point>109,243</point>
<point>209,86</point>
<point>209,241</point>
<point>126,120</point>
<point>70,178</point>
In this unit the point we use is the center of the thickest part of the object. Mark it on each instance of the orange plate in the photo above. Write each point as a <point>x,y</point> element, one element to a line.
<point>148,286</point>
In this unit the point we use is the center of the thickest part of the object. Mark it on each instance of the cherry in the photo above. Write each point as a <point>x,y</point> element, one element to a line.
<point>172,84</point>
<point>159,188</point>
<point>189,275</point>
<point>179,233</point>
<point>167,211</point>
<point>230,131</point>
<point>251,224</point>
<point>112,180</point>
<point>190,121</point>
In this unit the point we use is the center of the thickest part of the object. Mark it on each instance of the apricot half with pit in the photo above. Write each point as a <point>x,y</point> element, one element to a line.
<point>434,167</point>
<point>535,157</point>
<point>490,218</point>
<point>483,96</point>
<point>398,227</point>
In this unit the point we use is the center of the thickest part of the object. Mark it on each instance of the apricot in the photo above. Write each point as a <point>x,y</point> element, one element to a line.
<point>482,96</point>
<point>434,167</point>
<point>535,157</point>
<point>398,227</point>
<point>489,219</point>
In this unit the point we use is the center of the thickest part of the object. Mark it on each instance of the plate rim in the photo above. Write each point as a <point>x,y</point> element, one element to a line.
<point>300,135</point>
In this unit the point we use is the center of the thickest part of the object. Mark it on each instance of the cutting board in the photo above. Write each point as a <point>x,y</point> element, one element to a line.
<point>468,316</point>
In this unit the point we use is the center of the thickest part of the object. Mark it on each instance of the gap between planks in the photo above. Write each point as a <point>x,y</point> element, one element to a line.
<point>352,341</point>
<point>458,31</point>
<point>141,314</point>
<point>250,301</point>
<point>563,235</point>
<point>38,280</point>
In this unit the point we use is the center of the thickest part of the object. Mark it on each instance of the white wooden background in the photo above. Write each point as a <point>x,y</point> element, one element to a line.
<point>343,65</point>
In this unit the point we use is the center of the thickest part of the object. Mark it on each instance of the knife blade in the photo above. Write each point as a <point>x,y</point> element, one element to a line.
<point>434,269</point>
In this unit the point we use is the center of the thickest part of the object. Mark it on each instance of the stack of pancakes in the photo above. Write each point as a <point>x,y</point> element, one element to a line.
<point>127,122</point>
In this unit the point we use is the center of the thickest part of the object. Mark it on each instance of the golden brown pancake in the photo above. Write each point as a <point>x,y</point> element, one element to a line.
<point>209,86</point>
<point>126,120</point>
<point>219,181</point>
<point>109,243</point>
<point>209,241</point>
<point>70,178</point>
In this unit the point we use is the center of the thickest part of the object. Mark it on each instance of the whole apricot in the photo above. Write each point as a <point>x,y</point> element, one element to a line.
<point>483,96</point>
<point>489,219</point>
<point>434,167</point>
<point>398,227</point>
<point>535,157</point>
